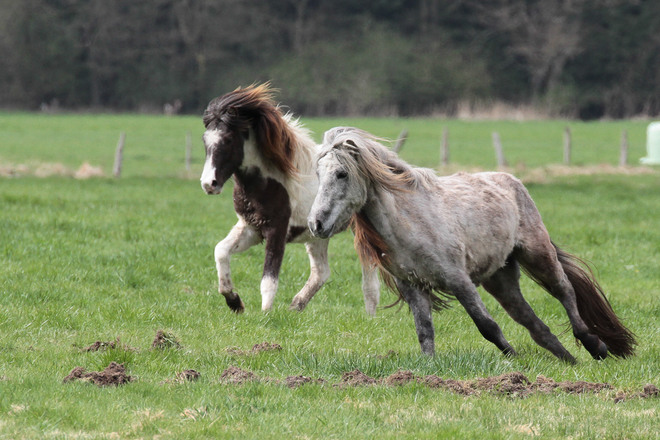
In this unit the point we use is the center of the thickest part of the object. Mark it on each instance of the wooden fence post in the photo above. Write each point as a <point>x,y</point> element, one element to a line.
<point>623,158</point>
<point>567,146</point>
<point>400,140</point>
<point>119,155</point>
<point>444,147</point>
<point>499,152</point>
<point>188,150</point>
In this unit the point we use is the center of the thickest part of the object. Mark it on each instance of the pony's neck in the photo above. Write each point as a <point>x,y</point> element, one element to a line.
<point>380,210</point>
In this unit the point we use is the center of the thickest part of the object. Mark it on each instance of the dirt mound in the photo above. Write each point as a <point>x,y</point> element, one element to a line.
<point>99,345</point>
<point>256,349</point>
<point>513,384</point>
<point>433,381</point>
<point>266,346</point>
<point>108,345</point>
<point>238,376</point>
<point>183,377</point>
<point>114,374</point>
<point>649,391</point>
<point>400,378</point>
<point>546,385</point>
<point>164,340</point>
<point>355,378</point>
<point>296,381</point>
<point>508,384</point>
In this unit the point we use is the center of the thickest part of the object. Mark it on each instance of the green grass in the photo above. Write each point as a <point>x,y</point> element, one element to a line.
<point>155,145</point>
<point>91,260</point>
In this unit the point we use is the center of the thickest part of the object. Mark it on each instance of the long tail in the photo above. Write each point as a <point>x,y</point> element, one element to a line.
<point>594,308</point>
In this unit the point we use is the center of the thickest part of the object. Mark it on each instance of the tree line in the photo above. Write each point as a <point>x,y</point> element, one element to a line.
<point>570,58</point>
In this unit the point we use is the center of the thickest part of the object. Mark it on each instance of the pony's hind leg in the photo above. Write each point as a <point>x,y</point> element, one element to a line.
<point>466,293</point>
<point>319,273</point>
<point>543,267</point>
<point>504,286</point>
<point>420,306</point>
<point>240,238</point>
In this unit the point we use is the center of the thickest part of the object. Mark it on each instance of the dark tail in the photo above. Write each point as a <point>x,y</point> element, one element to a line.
<point>594,308</point>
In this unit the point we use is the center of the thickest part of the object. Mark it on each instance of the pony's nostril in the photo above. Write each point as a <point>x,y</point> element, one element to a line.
<point>214,184</point>
<point>319,226</point>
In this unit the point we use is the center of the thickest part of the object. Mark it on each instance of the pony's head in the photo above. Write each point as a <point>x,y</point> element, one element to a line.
<point>342,183</point>
<point>231,120</point>
<point>351,164</point>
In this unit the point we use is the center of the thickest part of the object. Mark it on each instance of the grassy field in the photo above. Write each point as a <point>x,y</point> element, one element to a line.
<point>155,145</point>
<point>82,261</point>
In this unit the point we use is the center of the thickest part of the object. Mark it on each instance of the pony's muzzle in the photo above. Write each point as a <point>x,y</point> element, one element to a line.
<point>318,229</point>
<point>212,187</point>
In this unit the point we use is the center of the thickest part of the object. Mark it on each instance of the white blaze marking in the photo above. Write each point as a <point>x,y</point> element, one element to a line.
<point>211,139</point>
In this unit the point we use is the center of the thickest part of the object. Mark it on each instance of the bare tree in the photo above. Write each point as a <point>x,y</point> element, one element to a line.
<point>546,34</point>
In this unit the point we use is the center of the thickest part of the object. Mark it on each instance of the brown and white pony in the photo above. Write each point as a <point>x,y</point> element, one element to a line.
<point>438,237</point>
<point>272,159</point>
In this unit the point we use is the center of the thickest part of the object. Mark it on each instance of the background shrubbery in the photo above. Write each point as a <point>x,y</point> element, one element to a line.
<point>572,58</point>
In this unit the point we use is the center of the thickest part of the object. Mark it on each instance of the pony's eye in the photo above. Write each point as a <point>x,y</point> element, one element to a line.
<point>342,174</point>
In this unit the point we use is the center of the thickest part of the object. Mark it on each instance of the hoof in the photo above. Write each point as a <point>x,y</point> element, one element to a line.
<point>297,306</point>
<point>510,352</point>
<point>235,304</point>
<point>601,353</point>
<point>596,348</point>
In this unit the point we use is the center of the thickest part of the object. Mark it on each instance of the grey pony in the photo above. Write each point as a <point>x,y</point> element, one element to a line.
<point>438,237</point>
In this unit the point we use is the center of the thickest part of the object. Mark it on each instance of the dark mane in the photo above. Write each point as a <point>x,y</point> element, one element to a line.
<point>253,108</point>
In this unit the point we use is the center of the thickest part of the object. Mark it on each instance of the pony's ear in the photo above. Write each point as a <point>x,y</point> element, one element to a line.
<point>351,147</point>
<point>232,112</point>
<point>229,115</point>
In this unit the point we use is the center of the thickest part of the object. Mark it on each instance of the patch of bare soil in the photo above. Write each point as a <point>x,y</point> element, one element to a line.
<point>356,378</point>
<point>114,374</point>
<point>85,171</point>
<point>99,345</point>
<point>235,375</point>
<point>266,346</point>
<point>649,391</point>
<point>183,377</point>
<point>257,348</point>
<point>548,173</point>
<point>513,384</point>
<point>165,340</point>
<point>296,381</point>
<point>108,345</point>
<point>400,378</point>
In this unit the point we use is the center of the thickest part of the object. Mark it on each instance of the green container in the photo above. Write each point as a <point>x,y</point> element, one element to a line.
<point>652,145</point>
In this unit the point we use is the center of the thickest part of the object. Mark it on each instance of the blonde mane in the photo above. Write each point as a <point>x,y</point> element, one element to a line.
<point>361,154</point>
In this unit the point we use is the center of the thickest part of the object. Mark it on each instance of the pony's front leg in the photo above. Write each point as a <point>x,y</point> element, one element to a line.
<point>420,306</point>
<point>370,288</point>
<point>275,243</point>
<point>240,238</point>
<point>319,273</point>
